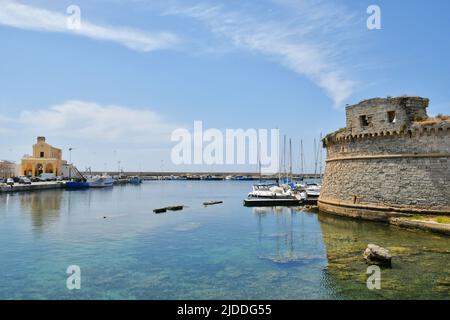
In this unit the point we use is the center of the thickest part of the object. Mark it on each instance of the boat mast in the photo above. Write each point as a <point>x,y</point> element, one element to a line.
<point>315,156</point>
<point>259,161</point>
<point>279,162</point>
<point>284,157</point>
<point>290,159</point>
<point>302,161</point>
<point>320,155</point>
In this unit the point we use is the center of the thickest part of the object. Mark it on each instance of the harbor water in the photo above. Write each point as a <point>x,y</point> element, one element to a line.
<point>225,251</point>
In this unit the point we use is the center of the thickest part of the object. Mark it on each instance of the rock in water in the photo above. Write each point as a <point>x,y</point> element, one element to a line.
<point>377,255</point>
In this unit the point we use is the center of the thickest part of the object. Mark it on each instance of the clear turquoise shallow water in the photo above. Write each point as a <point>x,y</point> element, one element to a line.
<point>219,252</point>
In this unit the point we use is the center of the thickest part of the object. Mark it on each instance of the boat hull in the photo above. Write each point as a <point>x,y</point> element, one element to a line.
<point>76,185</point>
<point>101,183</point>
<point>261,202</point>
<point>312,199</point>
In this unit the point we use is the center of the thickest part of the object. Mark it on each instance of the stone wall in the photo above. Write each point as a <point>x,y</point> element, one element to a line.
<point>416,182</point>
<point>404,111</point>
<point>417,140</point>
<point>395,169</point>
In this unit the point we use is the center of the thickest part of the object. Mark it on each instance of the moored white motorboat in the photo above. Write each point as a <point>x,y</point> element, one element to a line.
<point>312,192</point>
<point>274,195</point>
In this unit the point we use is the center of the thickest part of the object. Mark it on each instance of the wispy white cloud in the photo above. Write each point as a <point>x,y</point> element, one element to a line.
<point>96,123</point>
<point>27,17</point>
<point>310,38</point>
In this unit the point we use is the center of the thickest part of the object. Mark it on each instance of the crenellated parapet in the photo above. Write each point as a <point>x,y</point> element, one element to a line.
<point>417,128</point>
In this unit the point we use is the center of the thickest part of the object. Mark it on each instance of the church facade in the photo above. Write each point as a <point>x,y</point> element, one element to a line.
<point>45,159</point>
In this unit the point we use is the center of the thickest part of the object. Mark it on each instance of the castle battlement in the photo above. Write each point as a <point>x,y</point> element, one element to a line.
<point>416,128</point>
<point>385,114</point>
<point>391,157</point>
<point>388,116</point>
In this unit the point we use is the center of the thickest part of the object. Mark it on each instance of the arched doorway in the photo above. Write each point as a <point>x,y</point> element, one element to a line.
<point>39,169</point>
<point>49,168</point>
<point>28,172</point>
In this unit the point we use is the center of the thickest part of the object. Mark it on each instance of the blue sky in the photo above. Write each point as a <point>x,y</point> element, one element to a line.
<point>139,69</point>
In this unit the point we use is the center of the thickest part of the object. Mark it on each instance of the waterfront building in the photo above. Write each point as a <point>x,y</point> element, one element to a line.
<point>45,159</point>
<point>391,159</point>
<point>7,169</point>
<point>69,171</point>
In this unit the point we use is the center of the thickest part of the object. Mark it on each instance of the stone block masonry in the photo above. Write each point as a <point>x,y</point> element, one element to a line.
<point>390,160</point>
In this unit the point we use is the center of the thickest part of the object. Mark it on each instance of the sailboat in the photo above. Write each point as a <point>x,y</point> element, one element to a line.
<point>275,194</point>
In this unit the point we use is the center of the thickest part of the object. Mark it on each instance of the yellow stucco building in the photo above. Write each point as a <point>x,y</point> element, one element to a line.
<point>45,159</point>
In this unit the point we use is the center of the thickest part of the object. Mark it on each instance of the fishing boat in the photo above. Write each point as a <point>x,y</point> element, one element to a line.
<point>103,181</point>
<point>76,185</point>
<point>118,182</point>
<point>135,180</point>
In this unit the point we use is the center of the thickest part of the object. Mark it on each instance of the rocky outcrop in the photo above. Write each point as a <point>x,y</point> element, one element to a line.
<point>377,255</point>
<point>430,226</point>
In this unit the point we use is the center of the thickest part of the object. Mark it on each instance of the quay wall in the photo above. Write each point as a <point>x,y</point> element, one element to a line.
<point>32,187</point>
<point>381,169</point>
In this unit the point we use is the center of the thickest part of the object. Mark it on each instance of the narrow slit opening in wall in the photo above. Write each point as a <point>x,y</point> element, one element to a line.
<point>392,117</point>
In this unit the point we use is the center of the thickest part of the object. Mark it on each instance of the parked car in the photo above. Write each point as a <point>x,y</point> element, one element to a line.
<point>16,179</point>
<point>24,180</point>
<point>47,177</point>
<point>10,181</point>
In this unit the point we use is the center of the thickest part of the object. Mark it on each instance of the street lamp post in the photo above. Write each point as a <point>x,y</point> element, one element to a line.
<point>70,163</point>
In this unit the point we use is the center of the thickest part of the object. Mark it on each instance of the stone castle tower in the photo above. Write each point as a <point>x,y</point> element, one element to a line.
<point>391,159</point>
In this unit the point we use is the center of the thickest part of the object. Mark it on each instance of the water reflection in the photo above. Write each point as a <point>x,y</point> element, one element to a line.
<point>291,240</point>
<point>420,260</point>
<point>294,240</point>
<point>44,207</point>
<point>4,201</point>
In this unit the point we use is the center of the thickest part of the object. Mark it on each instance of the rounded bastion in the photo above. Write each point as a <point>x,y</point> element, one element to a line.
<point>390,160</point>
